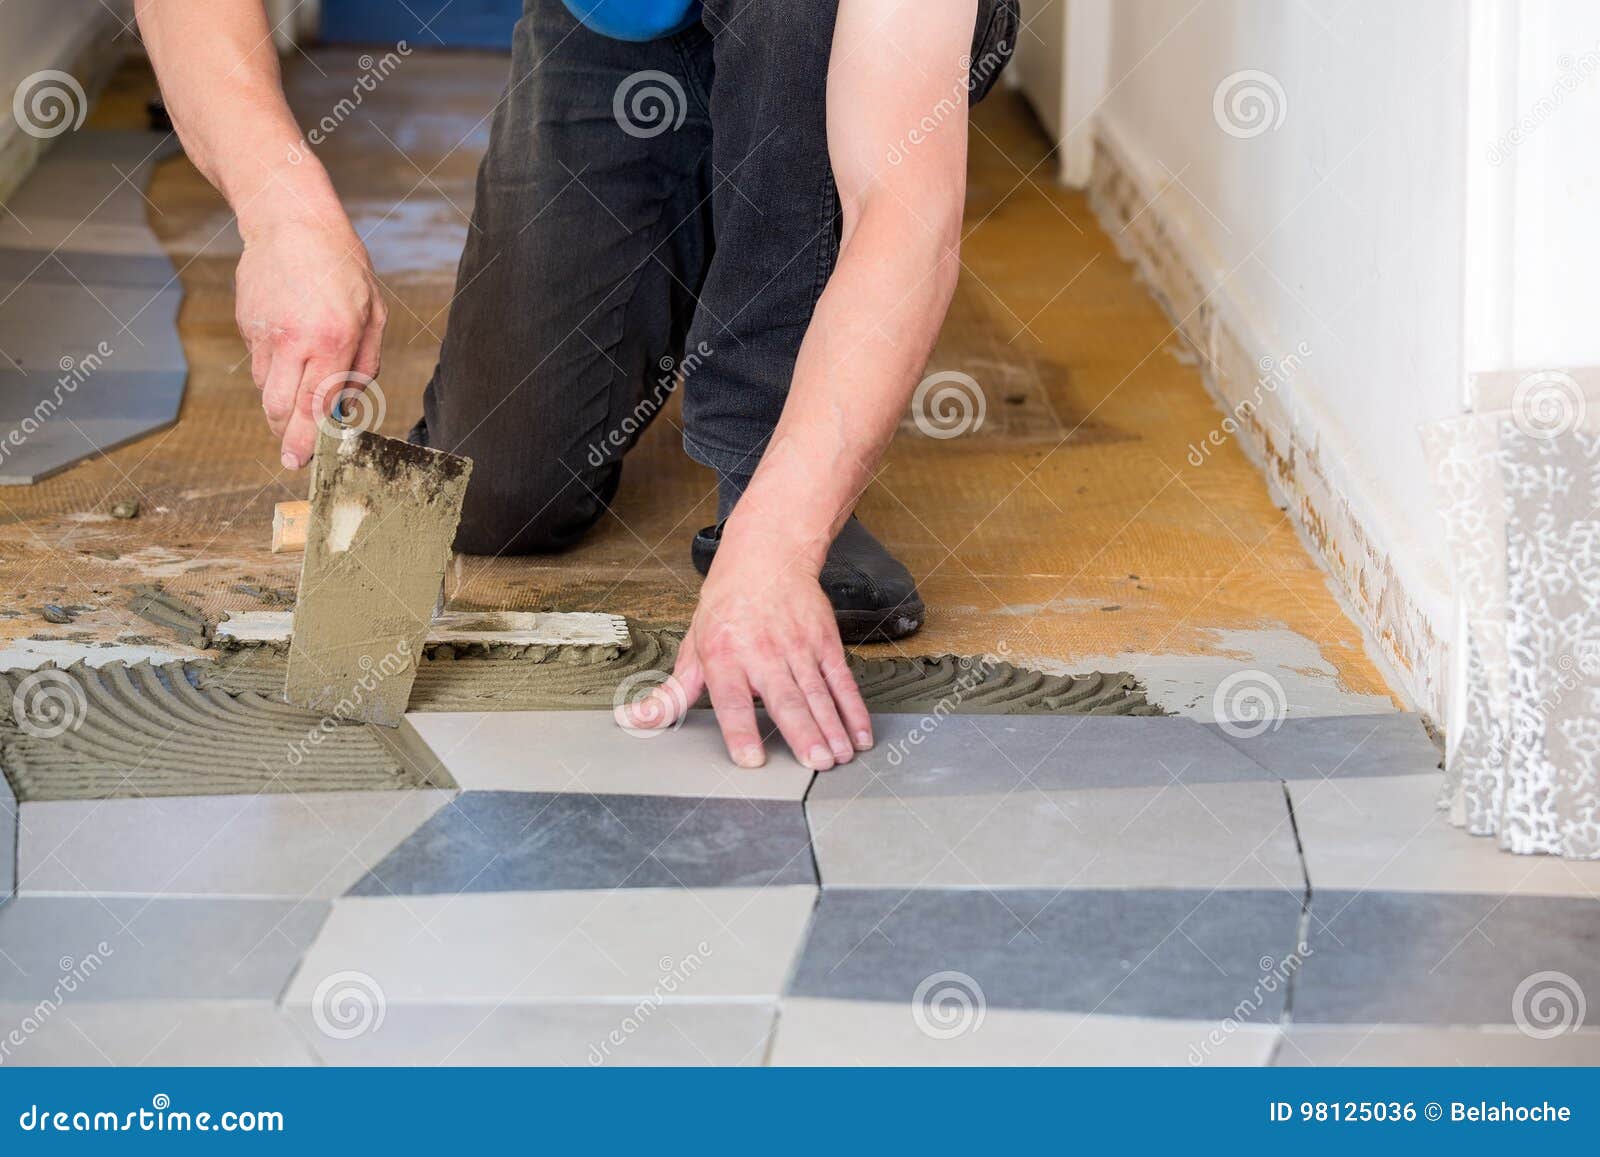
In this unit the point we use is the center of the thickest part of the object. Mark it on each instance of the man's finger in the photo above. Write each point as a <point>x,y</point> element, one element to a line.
<point>682,688</point>
<point>787,705</point>
<point>260,363</point>
<point>669,702</point>
<point>660,709</point>
<point>847,696</point>
<point>688,680</point>
<point>321,384</point>
<point>369,351</point>
<point>736,714</point>
<point>819,698</point>
<point>278,395</point>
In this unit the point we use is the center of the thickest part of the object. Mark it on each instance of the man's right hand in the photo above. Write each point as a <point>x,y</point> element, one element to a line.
<point>308,303</point>
<point>311,312</point>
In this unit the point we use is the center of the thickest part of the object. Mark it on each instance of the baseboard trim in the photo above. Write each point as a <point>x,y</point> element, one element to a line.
<point>1408,630</point>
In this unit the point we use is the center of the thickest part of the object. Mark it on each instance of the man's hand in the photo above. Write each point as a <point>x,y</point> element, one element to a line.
<point>309,308</point>
<point>307,301</point>
<point>764,628</point>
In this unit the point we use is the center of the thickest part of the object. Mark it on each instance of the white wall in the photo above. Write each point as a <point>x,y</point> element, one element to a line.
<point>1341,228</point>
<point>1039,63</point>
<point>1534,185</point>
<point>1061,64</point>
<point>1419,206</point>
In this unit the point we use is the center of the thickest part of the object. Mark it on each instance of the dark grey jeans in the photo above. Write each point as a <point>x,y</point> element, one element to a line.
<point>645,212</point>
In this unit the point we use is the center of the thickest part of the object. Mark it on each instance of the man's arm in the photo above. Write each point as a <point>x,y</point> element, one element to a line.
<point>764,625</point>
<point>307,304</point>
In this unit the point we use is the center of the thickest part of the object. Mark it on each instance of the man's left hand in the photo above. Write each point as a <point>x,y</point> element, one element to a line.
<point>765,628</point>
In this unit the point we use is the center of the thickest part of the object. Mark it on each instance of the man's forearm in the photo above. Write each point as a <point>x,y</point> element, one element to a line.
<point>219,75</point>
<point>868,342</point>
<point>307,302</point>
<point>878,317</point>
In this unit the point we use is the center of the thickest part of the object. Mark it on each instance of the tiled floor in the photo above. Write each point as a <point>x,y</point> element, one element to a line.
<point>88,305</point>
<point>976,890</point>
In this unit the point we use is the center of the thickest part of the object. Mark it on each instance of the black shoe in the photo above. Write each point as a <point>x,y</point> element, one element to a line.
<point>874,598</point>
<point>418,434</point>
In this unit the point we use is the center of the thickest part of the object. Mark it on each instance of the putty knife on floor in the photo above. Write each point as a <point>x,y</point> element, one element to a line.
<point>382,518</point>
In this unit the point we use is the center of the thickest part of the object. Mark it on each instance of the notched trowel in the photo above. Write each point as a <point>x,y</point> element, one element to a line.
<point>383,516</point>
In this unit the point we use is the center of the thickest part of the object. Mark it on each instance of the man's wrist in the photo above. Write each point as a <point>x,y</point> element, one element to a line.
<point>293,196</point>
<point>751,532</point>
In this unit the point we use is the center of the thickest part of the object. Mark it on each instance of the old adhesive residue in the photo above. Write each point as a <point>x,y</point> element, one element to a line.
<point>564,677</point>
<point>152,602</point>
<point>148,730</point>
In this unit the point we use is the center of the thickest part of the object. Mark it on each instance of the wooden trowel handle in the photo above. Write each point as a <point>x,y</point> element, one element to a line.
<point>289,521</point>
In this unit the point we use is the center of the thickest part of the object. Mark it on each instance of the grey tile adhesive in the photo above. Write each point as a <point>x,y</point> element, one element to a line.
<point>120,731</point>
<point>564,677</point>
<point>383,518</point>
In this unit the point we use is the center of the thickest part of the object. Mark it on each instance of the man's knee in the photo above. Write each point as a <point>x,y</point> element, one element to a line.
<point>537,517</point>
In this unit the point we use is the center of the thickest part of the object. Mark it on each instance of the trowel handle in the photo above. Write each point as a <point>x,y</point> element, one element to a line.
<point>289,523</point>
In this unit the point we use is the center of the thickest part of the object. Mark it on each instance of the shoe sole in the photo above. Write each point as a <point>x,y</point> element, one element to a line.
<point>880,626</point>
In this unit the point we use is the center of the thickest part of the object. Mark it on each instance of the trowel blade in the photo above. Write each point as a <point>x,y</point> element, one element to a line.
<point>383,515</point>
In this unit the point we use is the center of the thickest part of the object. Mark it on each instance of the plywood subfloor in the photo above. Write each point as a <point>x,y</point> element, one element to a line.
<point>1070,527</point>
